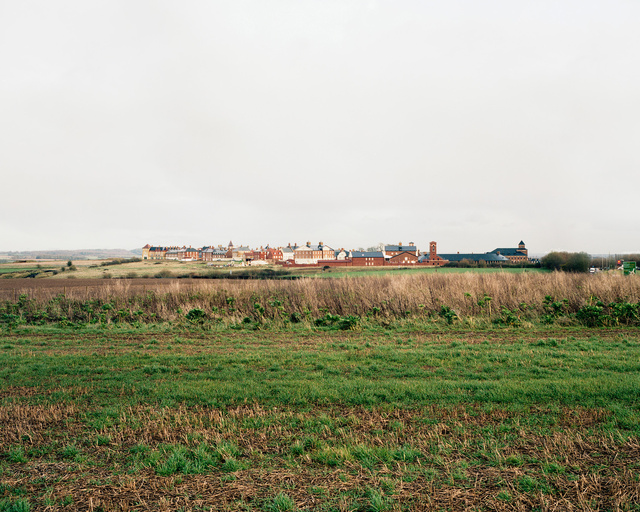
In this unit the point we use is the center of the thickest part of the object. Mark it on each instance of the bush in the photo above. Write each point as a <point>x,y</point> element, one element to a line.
<point>345,323</point>
<point>120,261</point>
<point>592,316</point>
<point>448,314</point>
<point>196,315</point>
<point>508,317</point>
<point>624,312</point>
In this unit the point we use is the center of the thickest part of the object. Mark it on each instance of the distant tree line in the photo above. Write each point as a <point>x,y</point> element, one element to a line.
<point>581,261</point>
<point>567,261</point>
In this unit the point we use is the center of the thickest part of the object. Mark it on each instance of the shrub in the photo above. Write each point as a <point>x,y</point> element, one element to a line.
<point>553,309</point>
<point>448,314</point>
<point>345,323</point>
<point>196,315</point>
<point>348,323</point>
<point>508,317</point>
<point>624,312</point>
<point>592,316</point>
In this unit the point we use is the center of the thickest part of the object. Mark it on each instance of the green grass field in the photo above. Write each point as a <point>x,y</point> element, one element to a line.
<point>360,272</point>
<point>149,268</point>
<point>311,419</point>
<point>11,270</point>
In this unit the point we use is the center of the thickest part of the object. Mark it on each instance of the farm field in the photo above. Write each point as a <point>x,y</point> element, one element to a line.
<point>101,269</point>
<point>104,269</point>
<point>119,418</point>
<point>338,272</point>
<point>47,288</point>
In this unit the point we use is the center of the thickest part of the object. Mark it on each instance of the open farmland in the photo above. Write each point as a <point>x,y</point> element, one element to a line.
<point>449,420</point>
<point>417,392</point>
<point>134,268</point>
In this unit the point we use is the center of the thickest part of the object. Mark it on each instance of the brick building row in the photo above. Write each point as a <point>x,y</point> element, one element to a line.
<point>322,255</point>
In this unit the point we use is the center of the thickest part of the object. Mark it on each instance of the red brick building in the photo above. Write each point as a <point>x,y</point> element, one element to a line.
<point>313,253</point>
<point>404,258</point>
<point>367,258</point>
<point>273,255</point>
<point>513,254</point>
<point>394,250</point>
<point>432,259</point>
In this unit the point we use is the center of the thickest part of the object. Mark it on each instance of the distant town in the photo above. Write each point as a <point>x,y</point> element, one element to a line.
<point>321,255</point>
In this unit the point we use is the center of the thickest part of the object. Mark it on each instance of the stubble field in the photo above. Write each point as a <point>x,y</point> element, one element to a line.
<point>451,420</point>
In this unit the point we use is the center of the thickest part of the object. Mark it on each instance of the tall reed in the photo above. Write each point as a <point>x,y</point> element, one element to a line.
<point>382,297</point>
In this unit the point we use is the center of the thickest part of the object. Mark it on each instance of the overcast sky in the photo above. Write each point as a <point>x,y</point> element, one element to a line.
<point>472,123</point>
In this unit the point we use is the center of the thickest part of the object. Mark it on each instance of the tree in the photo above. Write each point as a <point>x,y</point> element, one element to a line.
<point>578,262</point>
<point>567,261</point>
<point>554,260</point>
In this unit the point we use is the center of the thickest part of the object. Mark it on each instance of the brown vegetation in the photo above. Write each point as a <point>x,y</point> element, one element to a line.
<point>391,296</point>
<point>443,480</point>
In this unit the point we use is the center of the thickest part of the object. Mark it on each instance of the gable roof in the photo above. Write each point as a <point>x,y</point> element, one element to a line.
<point>489,256</point>
<point>313,248</point>
<point>410,253</point>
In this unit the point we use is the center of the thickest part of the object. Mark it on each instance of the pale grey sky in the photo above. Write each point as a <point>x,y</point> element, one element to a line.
<point>472,123</point>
